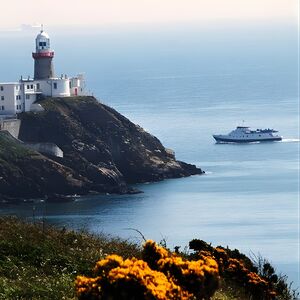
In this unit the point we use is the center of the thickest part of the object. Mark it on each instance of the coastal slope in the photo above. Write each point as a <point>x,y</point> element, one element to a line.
<point>102,148</point>
<point>25,173</point>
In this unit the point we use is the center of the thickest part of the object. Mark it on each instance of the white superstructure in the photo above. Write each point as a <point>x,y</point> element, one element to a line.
<point>17,97</point>
<point>243,134</point>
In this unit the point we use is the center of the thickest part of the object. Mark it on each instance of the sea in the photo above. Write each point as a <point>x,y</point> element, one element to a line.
<point>183,83</point>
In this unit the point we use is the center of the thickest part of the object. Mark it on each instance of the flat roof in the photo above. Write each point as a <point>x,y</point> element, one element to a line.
<point>9,83</point>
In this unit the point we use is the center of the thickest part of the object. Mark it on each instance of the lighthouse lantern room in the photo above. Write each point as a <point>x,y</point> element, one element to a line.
<point>42,42</point>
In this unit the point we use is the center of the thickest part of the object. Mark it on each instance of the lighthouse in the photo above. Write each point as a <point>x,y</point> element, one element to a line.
<point>21,96</point>
<point>43,56</point>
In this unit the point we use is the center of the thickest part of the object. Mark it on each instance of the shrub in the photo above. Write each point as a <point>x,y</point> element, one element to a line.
<point>260,282</point>
<point>199,277</point>
<point>160,275</point>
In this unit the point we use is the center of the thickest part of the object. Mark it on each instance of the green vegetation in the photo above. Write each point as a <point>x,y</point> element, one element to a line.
<point>50,103</point>
<point>16,150</point>
<point>38,261</point>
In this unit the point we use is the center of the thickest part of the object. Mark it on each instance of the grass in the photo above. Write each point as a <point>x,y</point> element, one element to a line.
<point>41,262</point>
<point>16,152</point>
<point>51,103</point>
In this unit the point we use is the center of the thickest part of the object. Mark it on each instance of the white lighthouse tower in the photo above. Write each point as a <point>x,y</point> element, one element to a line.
<point>43,56</point>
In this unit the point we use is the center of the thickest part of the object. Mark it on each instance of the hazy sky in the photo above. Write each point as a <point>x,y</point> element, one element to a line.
<point>97,12</point>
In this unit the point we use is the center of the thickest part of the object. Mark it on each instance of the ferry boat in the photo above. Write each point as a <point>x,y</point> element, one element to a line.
<point>243,134</point>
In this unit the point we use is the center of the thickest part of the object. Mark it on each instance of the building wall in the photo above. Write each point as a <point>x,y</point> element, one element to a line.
<point>30,98</point>
<point>19,98</point>
<point>55,87</point>
<point>77,86</point>
<point>30,90</point>
<point>8,93</point>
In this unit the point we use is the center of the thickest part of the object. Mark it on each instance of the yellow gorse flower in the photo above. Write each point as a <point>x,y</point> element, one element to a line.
<point>164,275</point>
<point>161,275</point>
<point>155,283</point>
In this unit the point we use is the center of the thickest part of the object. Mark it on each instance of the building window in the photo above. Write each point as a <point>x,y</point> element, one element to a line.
<point>31,86</point>
<point>1,88</point>
<point>38,86</point>
<point>2,107</point>
<point>28,87</point>
<point>27,96</point>
<point>2,98</point>
<point>55,85</point>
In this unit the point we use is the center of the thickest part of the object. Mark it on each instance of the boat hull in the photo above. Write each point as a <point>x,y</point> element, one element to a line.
<point>225,139</point>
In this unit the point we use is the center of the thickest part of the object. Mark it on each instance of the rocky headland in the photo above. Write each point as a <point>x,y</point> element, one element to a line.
<point>103,152</point>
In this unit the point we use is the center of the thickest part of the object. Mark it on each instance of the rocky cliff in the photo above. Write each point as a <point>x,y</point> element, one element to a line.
<point>103,150</point>
<point>28,174</point>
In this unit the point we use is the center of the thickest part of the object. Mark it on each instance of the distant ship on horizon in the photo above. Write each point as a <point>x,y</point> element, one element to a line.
<point>243,134</point>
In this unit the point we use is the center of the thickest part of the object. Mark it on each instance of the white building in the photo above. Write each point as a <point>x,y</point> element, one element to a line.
<point>17,97</point>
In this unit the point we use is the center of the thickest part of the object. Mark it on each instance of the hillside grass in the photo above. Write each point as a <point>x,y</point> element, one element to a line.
<point>41,262</point>
<point>49,103</point>
<point>16,150</point>
<point>38,261</point>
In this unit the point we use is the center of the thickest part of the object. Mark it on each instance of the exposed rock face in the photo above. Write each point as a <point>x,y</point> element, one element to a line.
<point>28,174</point>
<point>102,148</point>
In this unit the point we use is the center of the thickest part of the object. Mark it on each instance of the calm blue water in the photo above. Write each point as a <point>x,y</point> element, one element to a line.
<point>182,85</point>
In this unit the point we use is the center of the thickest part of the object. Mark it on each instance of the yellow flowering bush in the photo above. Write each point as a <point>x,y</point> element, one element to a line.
<point>127,279</point>
<point>235,266</point>
<point>198,277</point>
<point>152,253</point>
<point>160,275</point>
<point>88,288</point>
<point>259,287</point>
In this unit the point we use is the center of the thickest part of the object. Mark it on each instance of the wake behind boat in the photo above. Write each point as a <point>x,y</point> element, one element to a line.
<point>243,134</point>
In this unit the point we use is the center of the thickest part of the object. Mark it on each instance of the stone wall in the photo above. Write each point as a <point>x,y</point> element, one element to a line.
<point>45,148</point>
<point>12,126</point>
